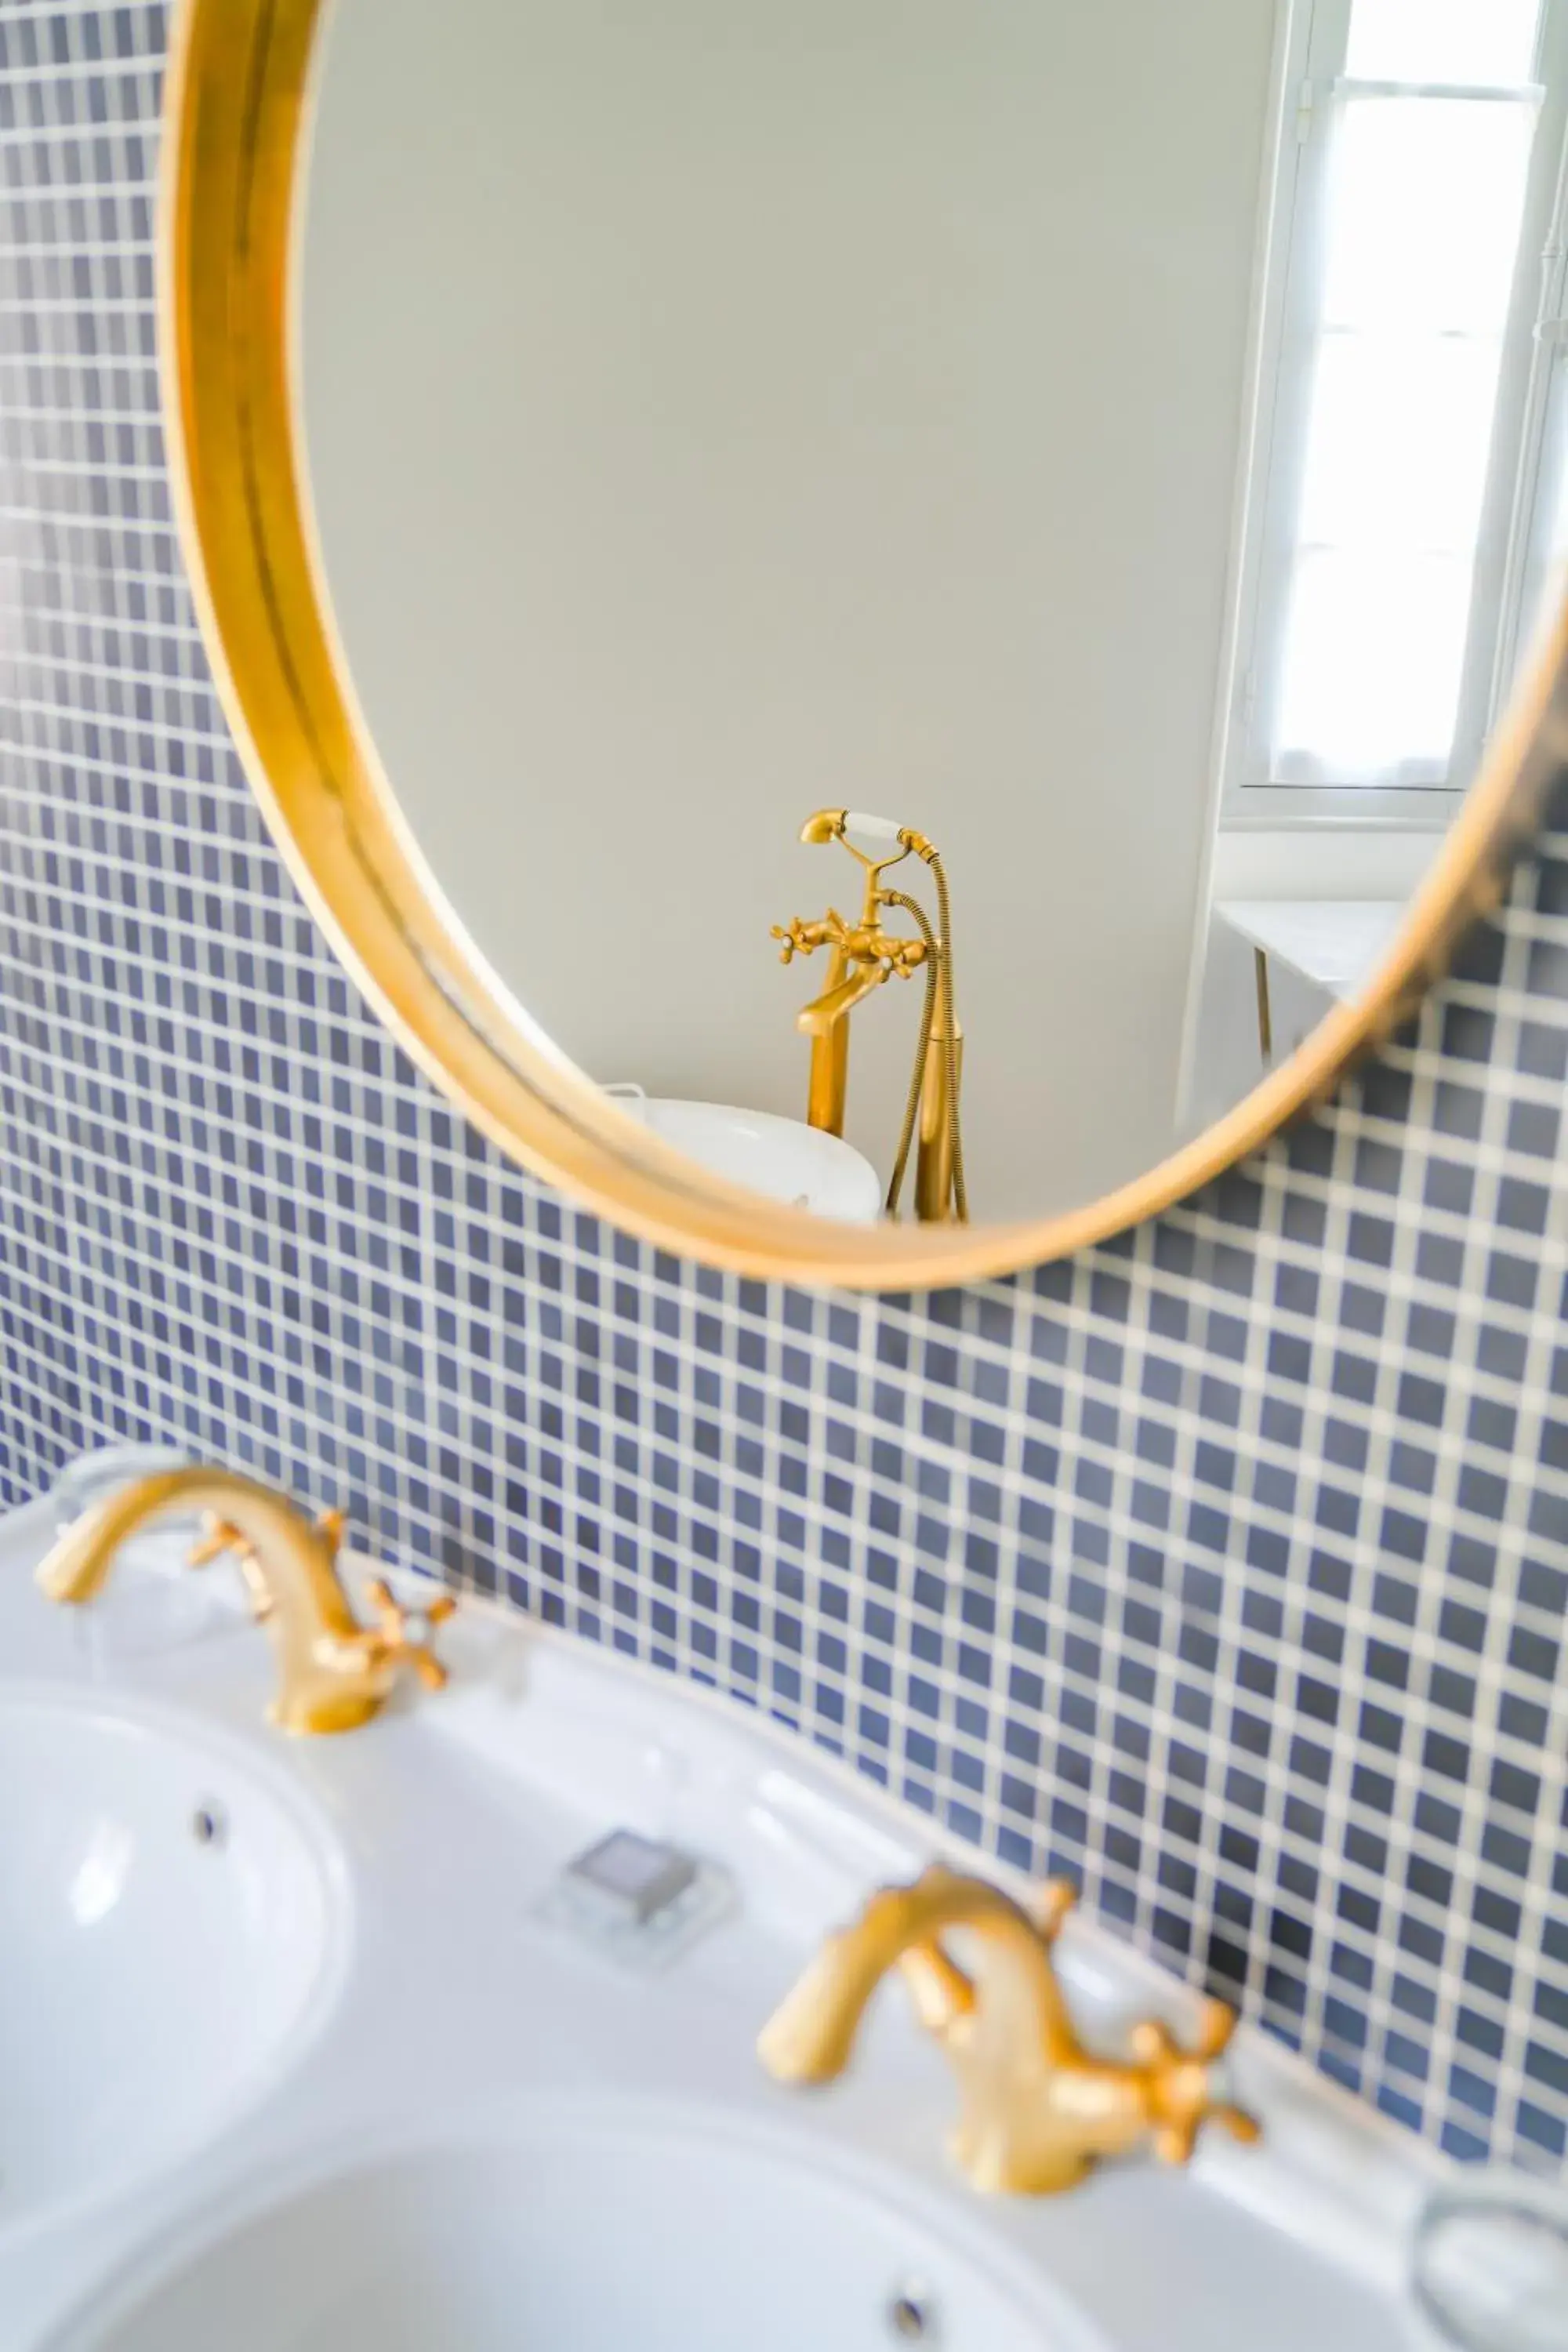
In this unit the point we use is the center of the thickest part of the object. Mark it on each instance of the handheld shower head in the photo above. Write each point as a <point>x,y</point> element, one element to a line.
<point>837,824</point>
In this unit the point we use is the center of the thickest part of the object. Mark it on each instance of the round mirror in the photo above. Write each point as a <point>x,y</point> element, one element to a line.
<point>870,621</point>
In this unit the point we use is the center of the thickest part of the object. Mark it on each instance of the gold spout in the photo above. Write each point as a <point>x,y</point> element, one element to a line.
<point>1036,2112</point>
<point>334,1672</point>
<point>815,1019</point>
<point>827,1091</point>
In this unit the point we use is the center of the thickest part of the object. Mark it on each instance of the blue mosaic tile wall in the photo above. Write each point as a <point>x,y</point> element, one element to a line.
<point>1225,1567</point>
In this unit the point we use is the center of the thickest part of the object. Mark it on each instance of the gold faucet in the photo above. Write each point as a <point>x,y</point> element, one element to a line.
<point>334,1672</point>
<point>863,956</point>
<point>1036,2112</point>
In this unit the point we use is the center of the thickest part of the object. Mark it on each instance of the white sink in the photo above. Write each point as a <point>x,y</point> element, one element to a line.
<point>783,1158</point>
<point>573,2232</point>
<point>169,1919</point>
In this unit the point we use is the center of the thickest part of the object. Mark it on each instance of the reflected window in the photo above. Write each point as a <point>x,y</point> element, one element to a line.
<point>1404,477</point>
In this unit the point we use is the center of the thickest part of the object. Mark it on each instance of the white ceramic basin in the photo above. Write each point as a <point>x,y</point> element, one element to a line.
<point>168,1920</point>
<point>568,2233</point>
<point>782,1158</point>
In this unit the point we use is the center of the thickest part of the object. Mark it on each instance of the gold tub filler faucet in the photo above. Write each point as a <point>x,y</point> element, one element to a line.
<point>333,1672</point>
<point>1036,2111</point>
<point>862,957</point>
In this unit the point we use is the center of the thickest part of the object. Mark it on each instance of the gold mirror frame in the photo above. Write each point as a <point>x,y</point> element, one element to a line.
<point>236,119</point>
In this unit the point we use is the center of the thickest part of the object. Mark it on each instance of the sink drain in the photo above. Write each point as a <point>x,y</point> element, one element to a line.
<point>209,1825</point>
<point>913,2317</point>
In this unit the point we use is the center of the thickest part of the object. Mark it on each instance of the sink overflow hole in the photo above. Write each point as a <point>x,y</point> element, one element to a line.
<point>209,1825</point>
<point>911,2318</point>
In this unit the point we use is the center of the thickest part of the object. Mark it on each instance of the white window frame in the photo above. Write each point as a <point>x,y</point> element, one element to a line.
<point>1509,567</point>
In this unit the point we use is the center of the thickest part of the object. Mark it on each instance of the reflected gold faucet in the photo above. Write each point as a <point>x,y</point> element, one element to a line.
<point>334,1672</point>
<point>863,956</point>
<point>1036,2111</point>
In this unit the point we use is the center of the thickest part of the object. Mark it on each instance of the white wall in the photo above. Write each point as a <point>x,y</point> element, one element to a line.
<point>727,407</point>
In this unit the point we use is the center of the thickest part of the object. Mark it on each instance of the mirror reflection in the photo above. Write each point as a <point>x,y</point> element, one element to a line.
<point>928,576</point>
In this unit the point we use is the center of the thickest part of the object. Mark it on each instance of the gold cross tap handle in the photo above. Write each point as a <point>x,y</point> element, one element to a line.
<point>406,1632</point>
<point>1178,2085</point>
<point>224,1537</point>
<point>219,1535</point>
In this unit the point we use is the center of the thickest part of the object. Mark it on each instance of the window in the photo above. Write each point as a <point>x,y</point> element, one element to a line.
<point>1406,475</point>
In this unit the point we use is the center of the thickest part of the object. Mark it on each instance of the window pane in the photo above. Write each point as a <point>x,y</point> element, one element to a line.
<point>1398,443</point>
<point>1442,41</point>
<point>1371,674</point>
<point>1425,202</point>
